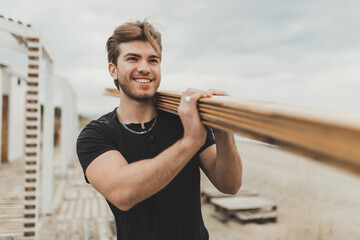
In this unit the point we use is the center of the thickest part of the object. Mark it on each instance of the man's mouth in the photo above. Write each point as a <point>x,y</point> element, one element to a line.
<point>142,80</point>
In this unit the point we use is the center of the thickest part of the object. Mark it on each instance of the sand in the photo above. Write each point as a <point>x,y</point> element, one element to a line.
<point>315,200</point>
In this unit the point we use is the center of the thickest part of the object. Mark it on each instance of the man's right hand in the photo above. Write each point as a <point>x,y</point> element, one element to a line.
<point>194,130</point>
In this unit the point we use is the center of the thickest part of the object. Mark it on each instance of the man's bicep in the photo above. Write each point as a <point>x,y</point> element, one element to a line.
<point>103,171</point>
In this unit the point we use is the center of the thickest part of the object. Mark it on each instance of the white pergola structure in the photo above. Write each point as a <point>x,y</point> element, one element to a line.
<point>39,89</point>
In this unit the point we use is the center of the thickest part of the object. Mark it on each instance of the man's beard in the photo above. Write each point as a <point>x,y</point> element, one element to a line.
<point>127,90</point>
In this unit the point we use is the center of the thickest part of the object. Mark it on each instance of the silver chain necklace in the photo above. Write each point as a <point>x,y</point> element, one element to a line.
<point>142,132</point>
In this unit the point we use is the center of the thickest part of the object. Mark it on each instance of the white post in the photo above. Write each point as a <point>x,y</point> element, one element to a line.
<point>69,125</point>
<point>75,122</point>
<point>64,136</point>
<point>1,105</point>
<point>16,130</point>
<point>48,141</point>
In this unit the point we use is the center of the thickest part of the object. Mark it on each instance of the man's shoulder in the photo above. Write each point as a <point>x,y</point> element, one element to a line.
<point>108,118</point>
<point>102,124</point>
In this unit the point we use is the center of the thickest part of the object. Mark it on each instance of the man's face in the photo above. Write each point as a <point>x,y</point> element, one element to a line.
<point>138,70</point>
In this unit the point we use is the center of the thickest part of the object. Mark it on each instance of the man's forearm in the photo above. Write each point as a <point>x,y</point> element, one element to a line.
<point>138,181</point>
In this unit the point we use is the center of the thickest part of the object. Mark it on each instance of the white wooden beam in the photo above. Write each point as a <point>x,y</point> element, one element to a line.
<point>1,104</point>
<point>16,131</point>
<point>24,31</point>
<point>64,131</point>
<point>17,28</point>
<point>48,142</point>
<point>75,125</point>
<point>71,129</point>
<point>8,44</point>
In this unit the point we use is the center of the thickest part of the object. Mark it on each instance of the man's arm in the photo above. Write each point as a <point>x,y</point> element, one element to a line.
<point>222,163</point>
<point>125,184</point>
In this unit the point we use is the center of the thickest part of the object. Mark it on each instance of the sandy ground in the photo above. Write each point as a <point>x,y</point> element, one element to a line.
<point>315,200</point>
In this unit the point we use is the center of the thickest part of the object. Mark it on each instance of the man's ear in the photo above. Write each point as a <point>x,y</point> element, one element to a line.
<point>112,70</point>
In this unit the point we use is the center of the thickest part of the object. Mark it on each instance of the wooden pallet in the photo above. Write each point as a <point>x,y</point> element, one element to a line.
<point>245,209</point>
<point>258,216</point>
<point>239,203</point>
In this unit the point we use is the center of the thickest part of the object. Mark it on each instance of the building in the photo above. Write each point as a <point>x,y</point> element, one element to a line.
<point>28,99</point>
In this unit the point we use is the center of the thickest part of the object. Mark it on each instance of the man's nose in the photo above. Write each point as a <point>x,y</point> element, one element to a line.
<point>143,67</point>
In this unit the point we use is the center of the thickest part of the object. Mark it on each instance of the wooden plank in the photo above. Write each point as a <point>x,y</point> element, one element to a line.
<point>58,196</point>
<point>95,208</point>
<point>62,232</point>
<point>11,219</point>
<point>89,229</point>
<point>221,216</point>
<point>103,208</point>
<point>10,206</point>
<point>212,192</point>
<point>243,203</point>
<point>256,216</point>
<point>75,230</point>
<point>63,210</point>
<point>102,232</point>
<point>8,219</point>
<point>71,194</point>
<point>79,208</point>
<point>12,216</point>
<point>313,133</point>
<point>87,208</point>
<point>11,236</point>
<point>71,210</point>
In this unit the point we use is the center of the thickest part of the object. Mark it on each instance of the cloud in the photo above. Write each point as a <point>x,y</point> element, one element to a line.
<point>294,52</point>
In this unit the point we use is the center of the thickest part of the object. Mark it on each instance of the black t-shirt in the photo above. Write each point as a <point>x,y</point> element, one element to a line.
<point>174,213</point>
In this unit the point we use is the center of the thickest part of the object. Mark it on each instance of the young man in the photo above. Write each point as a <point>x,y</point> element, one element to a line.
<point>144,161</point>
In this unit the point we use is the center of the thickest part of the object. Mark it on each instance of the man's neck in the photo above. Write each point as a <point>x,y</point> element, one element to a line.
<point>132,111</point>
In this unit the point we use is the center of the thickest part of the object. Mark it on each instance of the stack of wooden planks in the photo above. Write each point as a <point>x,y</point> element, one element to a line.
<point>313,133</point>
<point>316,134</point>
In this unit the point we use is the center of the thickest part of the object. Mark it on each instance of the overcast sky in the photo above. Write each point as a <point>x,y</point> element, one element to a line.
<point>298,52</point>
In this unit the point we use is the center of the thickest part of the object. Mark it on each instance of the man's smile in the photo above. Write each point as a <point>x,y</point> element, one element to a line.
<point>142,80</point>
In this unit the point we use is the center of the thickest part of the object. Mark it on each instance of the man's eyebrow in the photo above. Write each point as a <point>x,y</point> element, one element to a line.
<point>138,55</point>
<point>132,54</point>
<point>154,56</point>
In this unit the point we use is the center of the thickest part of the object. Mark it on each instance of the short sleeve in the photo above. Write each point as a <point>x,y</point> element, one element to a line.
<point>209,139</point>
<point>94,140</point>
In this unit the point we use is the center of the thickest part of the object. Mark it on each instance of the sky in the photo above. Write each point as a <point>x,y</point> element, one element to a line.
<point>295,52</point>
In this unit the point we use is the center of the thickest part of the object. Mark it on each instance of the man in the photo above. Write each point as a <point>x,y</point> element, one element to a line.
<point>144,161</point>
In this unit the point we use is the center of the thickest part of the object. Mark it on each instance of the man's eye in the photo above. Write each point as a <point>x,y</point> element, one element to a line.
<point>132,59</point>
<point>153,61</point>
